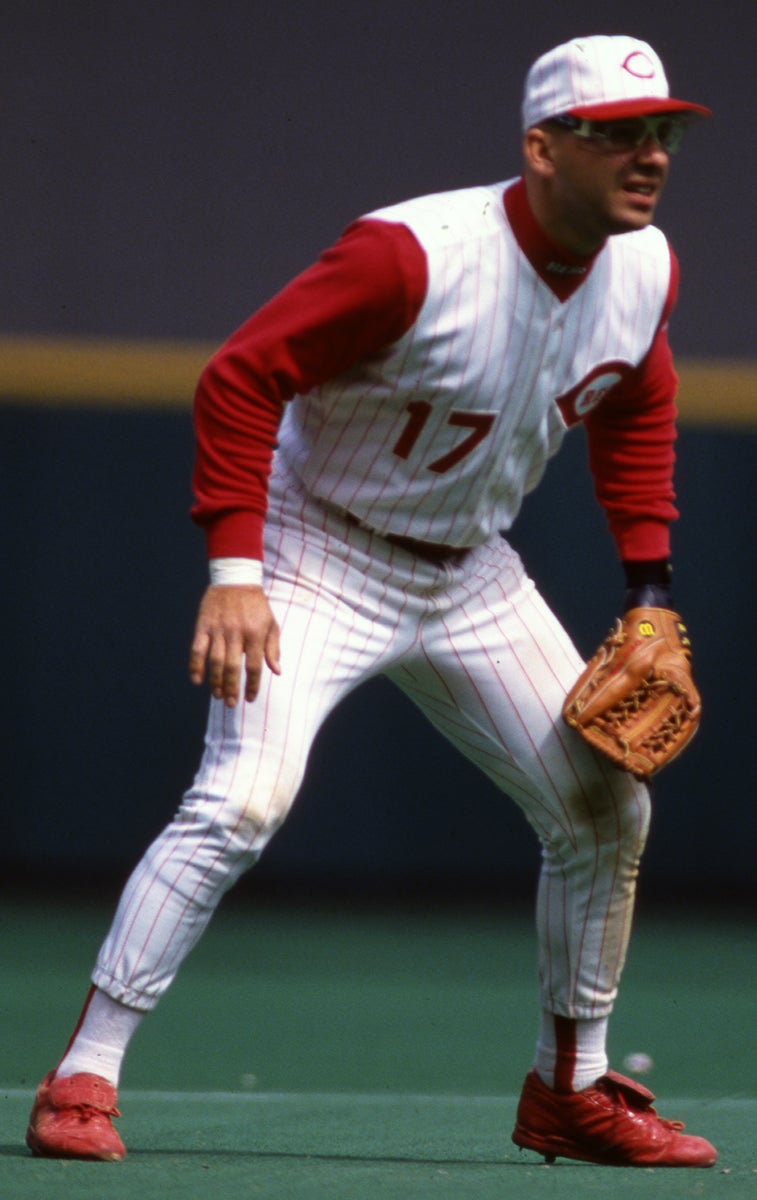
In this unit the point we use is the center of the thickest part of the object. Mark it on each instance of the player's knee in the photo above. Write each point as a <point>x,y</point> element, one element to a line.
<point>634,811</point>
<point>259,815</point>
<point>245,813</point>
<point>604,817</point>
<point>617,816</point>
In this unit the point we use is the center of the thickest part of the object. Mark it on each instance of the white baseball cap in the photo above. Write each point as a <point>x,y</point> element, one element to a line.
<point>600,78</point>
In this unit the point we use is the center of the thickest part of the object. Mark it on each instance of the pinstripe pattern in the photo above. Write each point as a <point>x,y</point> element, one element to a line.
<point>491,338</point>
<point>475,647</point>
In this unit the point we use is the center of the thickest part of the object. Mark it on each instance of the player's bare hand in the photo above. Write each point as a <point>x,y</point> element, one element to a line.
<point>235,634</point>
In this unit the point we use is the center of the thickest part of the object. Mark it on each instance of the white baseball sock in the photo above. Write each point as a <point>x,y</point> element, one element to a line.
<point>571,1054</point>
<point>101,1038</point>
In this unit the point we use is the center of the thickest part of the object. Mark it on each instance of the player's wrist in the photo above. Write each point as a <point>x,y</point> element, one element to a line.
<point>648,583</point>
<point>239,572</point>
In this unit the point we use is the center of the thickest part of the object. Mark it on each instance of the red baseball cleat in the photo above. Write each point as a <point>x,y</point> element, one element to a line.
<point>71,1119</point>
<point>612,1122</point>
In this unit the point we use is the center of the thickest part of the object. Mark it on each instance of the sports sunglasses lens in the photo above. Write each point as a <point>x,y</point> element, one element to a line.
<point>669,133</point>
<point>632,132</point>
<point>624,135</point>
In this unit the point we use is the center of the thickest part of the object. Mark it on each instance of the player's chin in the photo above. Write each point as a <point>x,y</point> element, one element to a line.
<point>630,217</point>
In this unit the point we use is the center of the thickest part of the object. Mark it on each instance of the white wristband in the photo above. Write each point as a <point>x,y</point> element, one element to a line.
<point>246,572</point>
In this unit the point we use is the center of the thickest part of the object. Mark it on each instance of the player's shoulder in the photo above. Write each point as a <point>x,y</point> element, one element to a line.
<point>642,269</point>
<point>450,215</point>
<point>647,249</point>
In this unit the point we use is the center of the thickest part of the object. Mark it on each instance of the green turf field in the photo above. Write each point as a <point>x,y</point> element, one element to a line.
<point>363,1053</point>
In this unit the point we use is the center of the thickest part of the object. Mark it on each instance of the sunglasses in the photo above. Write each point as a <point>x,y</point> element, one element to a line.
<point>628,133</point>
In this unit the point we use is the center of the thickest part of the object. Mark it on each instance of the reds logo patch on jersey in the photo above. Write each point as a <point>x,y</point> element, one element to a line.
<point>591,391</point>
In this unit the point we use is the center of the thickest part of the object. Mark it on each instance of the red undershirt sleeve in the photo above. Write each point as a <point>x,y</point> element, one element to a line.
<point>631,438</point>
<point>363,293</point>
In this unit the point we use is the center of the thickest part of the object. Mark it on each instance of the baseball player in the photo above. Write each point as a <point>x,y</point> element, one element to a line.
<point>362,441</point>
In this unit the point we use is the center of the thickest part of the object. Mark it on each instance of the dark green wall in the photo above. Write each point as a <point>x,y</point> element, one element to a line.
<point>102,731</point>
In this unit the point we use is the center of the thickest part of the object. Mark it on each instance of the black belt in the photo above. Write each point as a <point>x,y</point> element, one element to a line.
<point>435,552</point>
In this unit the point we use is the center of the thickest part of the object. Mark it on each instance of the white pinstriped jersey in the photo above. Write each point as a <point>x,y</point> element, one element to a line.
<point>441,435</point>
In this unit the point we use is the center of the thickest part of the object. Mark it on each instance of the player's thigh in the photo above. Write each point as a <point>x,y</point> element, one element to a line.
<point>502,661</point>
<point>256,754</point>
<point>492,678</point>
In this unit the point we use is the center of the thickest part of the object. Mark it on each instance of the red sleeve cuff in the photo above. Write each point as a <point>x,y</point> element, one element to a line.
<point>237,534</point>
<point>641,539</point>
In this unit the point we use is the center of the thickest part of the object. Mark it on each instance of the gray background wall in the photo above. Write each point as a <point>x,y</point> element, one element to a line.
<point>165,168</point>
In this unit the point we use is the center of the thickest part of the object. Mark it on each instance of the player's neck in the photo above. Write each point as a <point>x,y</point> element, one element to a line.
<point>564,233</point>
<point>560,268</point>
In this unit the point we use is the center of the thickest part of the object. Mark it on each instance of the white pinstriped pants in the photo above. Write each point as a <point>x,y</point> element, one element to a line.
<point>473,644</point>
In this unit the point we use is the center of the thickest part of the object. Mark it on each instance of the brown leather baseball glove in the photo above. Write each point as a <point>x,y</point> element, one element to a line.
<point>636,700</point>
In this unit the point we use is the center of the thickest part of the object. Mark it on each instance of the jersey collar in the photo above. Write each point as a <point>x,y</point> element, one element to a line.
<point>562,271</point>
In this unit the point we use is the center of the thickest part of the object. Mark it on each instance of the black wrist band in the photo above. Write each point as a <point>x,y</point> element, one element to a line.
<point>648,583</point>
<point>649,595</point>
<point>657,571</point>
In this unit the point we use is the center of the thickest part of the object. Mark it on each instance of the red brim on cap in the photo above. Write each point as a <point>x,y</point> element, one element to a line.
<point>637,108</point>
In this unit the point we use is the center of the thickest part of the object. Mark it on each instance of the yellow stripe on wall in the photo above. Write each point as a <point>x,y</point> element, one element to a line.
<point>717,391</point>
<point>123,373</point>
<point>106,373</point>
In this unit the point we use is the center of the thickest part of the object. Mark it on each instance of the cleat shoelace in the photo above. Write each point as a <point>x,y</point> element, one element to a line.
<point>638,1104</point>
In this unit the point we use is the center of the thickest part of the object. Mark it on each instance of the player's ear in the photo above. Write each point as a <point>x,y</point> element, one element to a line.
<point>537,151</point>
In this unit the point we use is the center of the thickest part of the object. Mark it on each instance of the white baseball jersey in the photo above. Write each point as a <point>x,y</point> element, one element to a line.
<point>425,395</point>
<point>442,434</point>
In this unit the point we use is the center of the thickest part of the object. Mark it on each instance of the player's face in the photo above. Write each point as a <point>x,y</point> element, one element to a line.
<point>597,190</point>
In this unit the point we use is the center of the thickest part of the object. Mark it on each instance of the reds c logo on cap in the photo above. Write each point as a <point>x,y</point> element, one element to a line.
<point>640,65</point>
